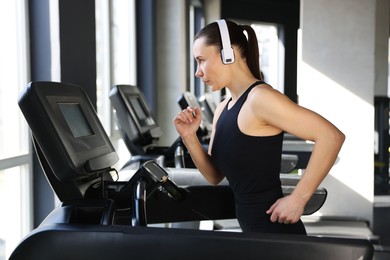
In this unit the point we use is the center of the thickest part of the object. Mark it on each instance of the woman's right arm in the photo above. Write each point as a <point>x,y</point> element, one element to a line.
<point>187,123</point>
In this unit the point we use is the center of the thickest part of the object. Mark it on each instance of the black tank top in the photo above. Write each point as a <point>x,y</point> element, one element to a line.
<point>251,164</point>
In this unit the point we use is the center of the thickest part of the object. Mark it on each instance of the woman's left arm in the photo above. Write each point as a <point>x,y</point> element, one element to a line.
<point>279,111</point>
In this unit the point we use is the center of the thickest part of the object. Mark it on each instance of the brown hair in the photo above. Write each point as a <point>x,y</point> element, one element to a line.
<point>248,48</point>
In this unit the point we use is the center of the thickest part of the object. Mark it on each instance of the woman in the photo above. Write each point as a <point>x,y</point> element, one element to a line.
<point>247,134</point>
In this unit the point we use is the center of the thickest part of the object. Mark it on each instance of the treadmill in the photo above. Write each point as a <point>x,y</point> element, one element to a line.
<point>102,218</point>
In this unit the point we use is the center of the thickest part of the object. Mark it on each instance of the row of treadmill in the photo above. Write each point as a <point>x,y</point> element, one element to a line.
<point>103,216</point>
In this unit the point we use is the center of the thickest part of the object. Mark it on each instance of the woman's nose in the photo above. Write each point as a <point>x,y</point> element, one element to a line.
<point>198,72</point>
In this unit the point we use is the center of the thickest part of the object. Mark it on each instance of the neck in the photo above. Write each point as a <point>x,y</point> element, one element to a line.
<point>238,87</point>
<point>241,79</point>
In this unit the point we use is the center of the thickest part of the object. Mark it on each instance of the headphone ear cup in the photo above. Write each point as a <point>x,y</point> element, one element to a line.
<point>227,55</point>
<point>227,52</point>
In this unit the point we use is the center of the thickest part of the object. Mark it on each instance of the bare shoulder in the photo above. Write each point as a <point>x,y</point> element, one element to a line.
<point>272,107</point>
<point>266,95</point>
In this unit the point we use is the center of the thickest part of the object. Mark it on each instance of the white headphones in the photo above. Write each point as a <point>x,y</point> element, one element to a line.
<point>227,50</point>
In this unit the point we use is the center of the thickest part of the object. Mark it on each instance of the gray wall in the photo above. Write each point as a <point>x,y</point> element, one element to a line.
<point>341,67</point>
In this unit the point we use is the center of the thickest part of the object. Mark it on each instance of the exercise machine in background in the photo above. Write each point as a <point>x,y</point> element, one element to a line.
<point>140,131</point>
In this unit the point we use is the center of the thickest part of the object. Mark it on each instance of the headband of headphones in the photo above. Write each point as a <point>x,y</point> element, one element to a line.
<point>227,50</point>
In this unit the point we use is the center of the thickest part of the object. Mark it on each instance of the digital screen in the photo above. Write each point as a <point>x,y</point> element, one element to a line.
<point>75,119</point>
<point>137,106</point>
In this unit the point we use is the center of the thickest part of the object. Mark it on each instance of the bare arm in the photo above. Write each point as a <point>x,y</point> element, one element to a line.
<point>279,111</point>
<point>187,123</point>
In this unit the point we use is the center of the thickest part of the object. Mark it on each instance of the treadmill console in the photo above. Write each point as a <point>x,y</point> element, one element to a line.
<point>62,113</point>
<point>134,118</point>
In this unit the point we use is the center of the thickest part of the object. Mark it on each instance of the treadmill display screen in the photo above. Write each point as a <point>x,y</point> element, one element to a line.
<point>142,114</point>
<point>75,119</point>
<point>139,110</point>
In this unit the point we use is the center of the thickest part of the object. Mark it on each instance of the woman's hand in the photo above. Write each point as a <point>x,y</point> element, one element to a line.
<point>287,210</point>
<point>188,121</point>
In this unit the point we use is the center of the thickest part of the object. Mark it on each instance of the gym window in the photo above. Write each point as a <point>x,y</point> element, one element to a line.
<point>115,59</point>
<point>15,148</point>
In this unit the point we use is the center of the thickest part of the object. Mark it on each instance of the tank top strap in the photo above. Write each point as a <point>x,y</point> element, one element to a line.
<point>242,98</point>
<point>245,94</point>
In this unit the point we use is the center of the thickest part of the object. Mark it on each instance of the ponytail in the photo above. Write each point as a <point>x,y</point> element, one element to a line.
<point>252,52</point>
